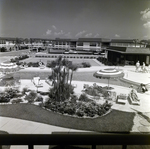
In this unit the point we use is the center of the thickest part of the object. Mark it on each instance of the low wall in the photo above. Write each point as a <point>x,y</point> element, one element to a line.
<point>67,56</point>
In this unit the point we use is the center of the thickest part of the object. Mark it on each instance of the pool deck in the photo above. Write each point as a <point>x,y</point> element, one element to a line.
<point>17,126</point>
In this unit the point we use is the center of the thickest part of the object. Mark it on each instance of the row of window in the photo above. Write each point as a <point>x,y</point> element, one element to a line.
<point>127,45</point>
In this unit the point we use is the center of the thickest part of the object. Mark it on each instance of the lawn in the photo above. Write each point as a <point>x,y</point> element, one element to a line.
<point>88,76</point>
<point>78,76</point>
<point>77,61</point>
<point>115,121</point>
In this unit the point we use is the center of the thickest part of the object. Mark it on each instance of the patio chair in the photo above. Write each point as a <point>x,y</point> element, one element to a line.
<point>112,96</point>
<point>133,101</point>
<point>36,82</point>
<point>122,99</point>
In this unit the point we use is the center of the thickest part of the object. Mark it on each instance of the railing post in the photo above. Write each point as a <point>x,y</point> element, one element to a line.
<point>30,146</point>
<point>94,146</point>
<point>124,146</point>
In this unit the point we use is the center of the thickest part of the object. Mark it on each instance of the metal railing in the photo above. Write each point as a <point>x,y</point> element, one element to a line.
<point>64,139</point>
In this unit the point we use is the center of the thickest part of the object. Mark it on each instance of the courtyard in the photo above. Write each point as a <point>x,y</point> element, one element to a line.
<point>81,77</point>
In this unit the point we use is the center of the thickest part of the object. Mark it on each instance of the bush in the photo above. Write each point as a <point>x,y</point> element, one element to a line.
<point>39,98</point>
<point>24,90</point>
<point>18,100</point>
<point>3,49</point>
<point>83,97</point>
<point>31,96</point>
<point>36,64</point>
<point>30,64</point>
<point>8,94</point>
<point>69,110</point>
<point>4,98</point>
<point>86,64</point>
<point>92,91</point>
<point>73,98</point>
<point>11,92</point>
<point>80,113</point>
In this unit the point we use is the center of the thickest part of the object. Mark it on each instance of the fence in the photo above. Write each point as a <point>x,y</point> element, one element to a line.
<point>65,139</point>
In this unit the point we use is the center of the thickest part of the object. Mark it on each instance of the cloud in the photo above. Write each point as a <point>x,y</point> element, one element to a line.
<point>116,35</point>
<point>80,33</point>
<point>54,27</point>
<point>145,14</point>
<point>146,17</point>
<point>146,36</point>
<point>68,34</point>
<point>147,25</point>
<point>88,35</point>
<point>48,32</point>
<point>59,33</point>
<point>96,35</point>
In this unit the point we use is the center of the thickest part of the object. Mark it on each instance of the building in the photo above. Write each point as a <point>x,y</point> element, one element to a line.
<point>127,52</point>
<point>7,43</point>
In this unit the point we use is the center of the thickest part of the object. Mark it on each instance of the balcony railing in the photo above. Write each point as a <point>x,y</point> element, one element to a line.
<point>65,139</point>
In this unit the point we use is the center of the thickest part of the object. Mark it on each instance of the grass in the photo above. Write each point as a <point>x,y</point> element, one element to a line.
<point>115,121</point>
<point>88,76</point>
<point>78,76</point>
<point>77,61</point>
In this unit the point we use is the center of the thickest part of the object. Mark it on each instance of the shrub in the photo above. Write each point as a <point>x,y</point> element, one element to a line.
<point>92,91</point>
<point>80,113</point>
<point>31,96</point>
<point>18,100</point>
<point>11,92</point>
<point>86,64</point>
<point>73,98</point>
<point>4,98</point>
<point>24,90</point>
<point>19,63</point>
<point>30,64</point>
<point>3,49</point>
<point>83,97</point>
<point>69,110</point>
<point>90,109</point>
<point>8,94</point>
<point>36,64</point>
<point>39,98</point>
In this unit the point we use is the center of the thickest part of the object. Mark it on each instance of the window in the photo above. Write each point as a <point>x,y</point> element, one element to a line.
<point>80,44</point>
<point>93,44</point>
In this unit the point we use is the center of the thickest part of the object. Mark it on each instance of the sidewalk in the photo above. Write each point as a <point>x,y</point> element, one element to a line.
<point>18,126</point>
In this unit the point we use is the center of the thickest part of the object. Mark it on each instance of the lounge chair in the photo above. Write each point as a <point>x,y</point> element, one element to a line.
<point>122,99</point>
<point>36,82</point>
<point>132,101</point>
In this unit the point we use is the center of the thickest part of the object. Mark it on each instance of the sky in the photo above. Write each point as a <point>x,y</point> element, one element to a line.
<point>124,19</point>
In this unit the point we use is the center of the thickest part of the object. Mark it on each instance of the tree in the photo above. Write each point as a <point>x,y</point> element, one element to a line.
<point>73,68</point>
<point>62,89</point>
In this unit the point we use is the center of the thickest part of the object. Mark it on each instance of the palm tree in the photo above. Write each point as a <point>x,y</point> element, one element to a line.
<point>73,68</point>
<point>60,75</point>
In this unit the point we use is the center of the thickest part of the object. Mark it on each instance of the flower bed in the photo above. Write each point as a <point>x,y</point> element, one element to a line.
<point>95,91</point>
<point>81,107</point>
